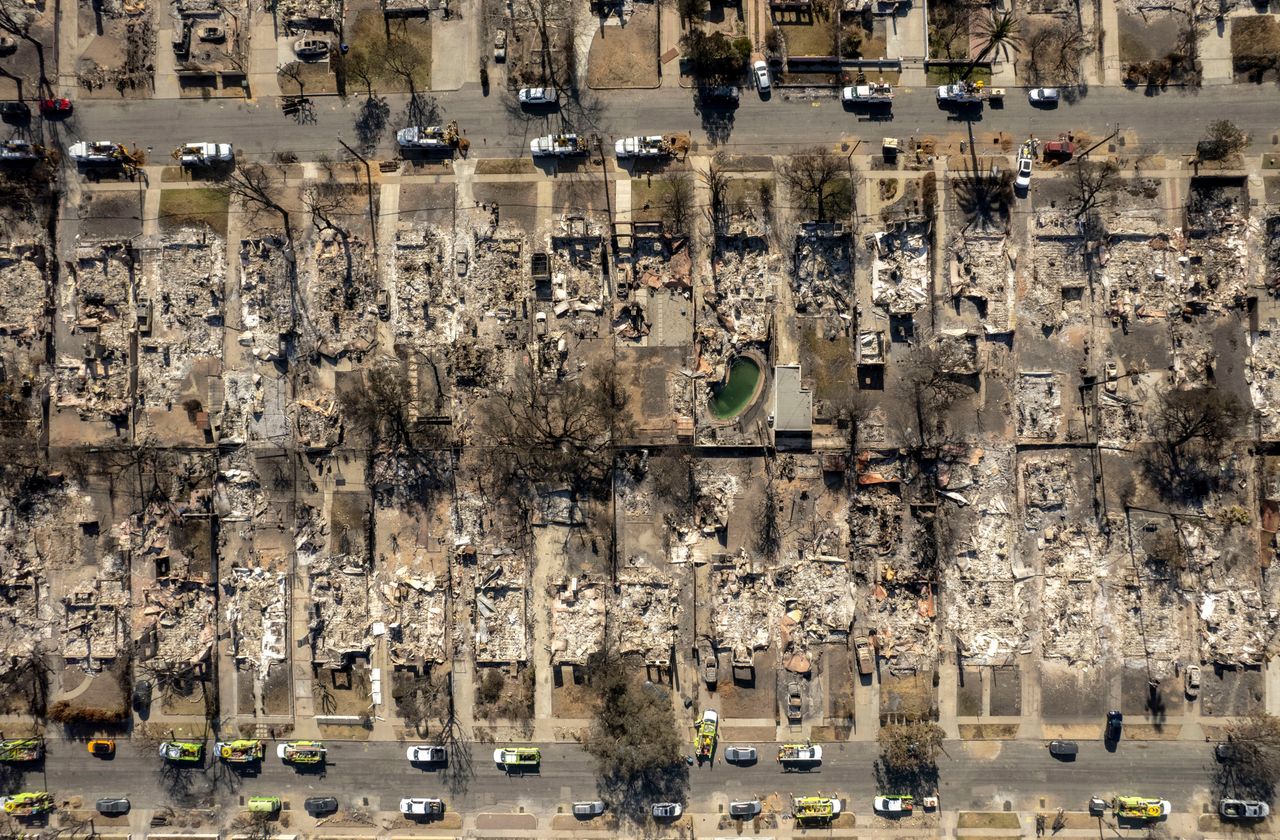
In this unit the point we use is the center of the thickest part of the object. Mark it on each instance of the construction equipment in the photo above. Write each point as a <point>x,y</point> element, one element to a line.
<point>19,750</point>
<point>28,804</point>
<point>432,138</point>
<point>241,751</point>
<point>301,752</point>
<point>102,153</point>
<point>874,93</point>
<point>558,145</point>
<point>18,151</point>
<point>811,809</point>
<point>204,154</point>
<point>704,735</point>
<point>1134,807</point>
<point>966,93</point>
<point>182,752</point>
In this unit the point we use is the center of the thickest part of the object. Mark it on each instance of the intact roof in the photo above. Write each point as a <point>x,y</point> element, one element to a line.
<point>792,402</point>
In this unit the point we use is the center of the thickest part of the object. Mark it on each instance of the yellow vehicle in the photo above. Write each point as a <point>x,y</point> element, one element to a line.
<point>301,752</point>
<point>242,751</point>
<point>28,804</point>
<point>264,804</point>
<point>1134,807</point>
<point>704,735</point>
<point>517,757</point>
<point>182,752</point>
<point>19,750</point>
<point>102,747</point>
<point>816,808</point>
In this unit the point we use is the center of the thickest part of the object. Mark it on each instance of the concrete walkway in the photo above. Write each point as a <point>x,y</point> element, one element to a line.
<point>263,57</point>
<point>455,57</point>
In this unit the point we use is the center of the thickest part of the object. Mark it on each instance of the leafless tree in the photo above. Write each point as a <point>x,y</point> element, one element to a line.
<point>1055,55</point>
<point>16,20</point>
<point>812,177</point>
<point>677,201</point>
<point>1184,417</point>
<point>293,72</point>
<point>1092,185</point>
<point>717,182</point>
<point>933,386</point>
<point>1251,768</point>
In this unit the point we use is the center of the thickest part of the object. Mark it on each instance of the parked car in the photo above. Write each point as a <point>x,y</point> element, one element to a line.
<point>1064,749</point>
<point>1193,681</point>
<point>894,804</point>
<point>142,688</point>
<point>1243,809</point>
<point>740,755</point>
<point>421,807</point>
<point>102,748</point>
<point>537,96</point>
<point>15,111</point>
<point>426,754</point>
<point>586,810</point>
<point>1043,96</point>
<point>212,34</point>
<point>744,809</point>
<point>1022,180</point>
<point>315,805</point>
<point>666,810</point>
<point>113,807</point>
<point>310,49</point>
<point>760,71</point>
<point>1115,723</point>
<point>500,46</point>
<point>56,107</point>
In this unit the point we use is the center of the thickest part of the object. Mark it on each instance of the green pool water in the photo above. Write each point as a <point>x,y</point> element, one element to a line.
<point>728,400</point>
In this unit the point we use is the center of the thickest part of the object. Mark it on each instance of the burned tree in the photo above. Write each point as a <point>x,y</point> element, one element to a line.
<point>677,201</point>
<point>717,183</point>
<point>909,755</point>
<point>1185,418</point>
<point>813,178</point>
<point>1092,184</point>
<point>1250,766</point>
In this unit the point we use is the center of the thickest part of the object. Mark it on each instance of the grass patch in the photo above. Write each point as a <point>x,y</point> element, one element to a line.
<point>410,41</point>
<point>943,75</point>
<point>1255,46</point>
<point>814,38</point>
<point>314,78</point>
<point>987,819</point>
<point>625,56</point>
<point>505,166</point>
<point>184,208</point>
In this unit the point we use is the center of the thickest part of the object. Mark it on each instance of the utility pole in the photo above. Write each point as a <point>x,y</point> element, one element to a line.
<point>368,179</point>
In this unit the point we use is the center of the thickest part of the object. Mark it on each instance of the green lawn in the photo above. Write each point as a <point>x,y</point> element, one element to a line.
<point>183,208</point>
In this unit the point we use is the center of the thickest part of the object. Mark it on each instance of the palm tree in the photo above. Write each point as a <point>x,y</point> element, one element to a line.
<point>1000,32</point>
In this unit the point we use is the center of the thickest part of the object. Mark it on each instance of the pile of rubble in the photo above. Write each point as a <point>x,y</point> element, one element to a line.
<point>99,297</point>
<point>644,616</point>
<point>425,309</point>
<point>900,269</point>
<point>266,296</point>
<point>417,617</point>
<point>742,605</point>
<point>982,268</point>
<point>93,624</point>
<point>501,622</point>
<point>319,423</point>
<point>816,594</point>
<point>903,617</point>
<point>1059,277</point>
<point>339,586</point>
<point>25,291</point>
<point>257,614</point>
<point>578,249</point>
<point>1262,371</point>
<point>577,621</point>
<point>822,271</point>
<point>1038,398</point>
<point>176,620</point>
<point>188,275</point>
<point>342,294</point>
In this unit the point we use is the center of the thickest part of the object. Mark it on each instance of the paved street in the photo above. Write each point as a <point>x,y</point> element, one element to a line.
<point>978,775</point>
<point>1173,120</point>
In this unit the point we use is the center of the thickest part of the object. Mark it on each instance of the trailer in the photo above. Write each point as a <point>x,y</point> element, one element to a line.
<point>20,750</point>
<point>241,751</point>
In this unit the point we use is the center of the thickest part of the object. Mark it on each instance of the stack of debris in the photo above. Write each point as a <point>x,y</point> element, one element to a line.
<point>26,291</point>
<point>343,295</point>
<point>97,383</point>
<point>266,296</point>
<point>93,627</point>
<point>742,606</point>
<point>816,594</point>
<point>644,615</point>
<point>900,270</point>
<point>577,621</point>
<point>1039,403</point>
<point>257,614</point>
<point>426,308</point>
<point>417,618</point>
<point>176,620</point>
<point>822,269</point>
<point>982,268</point>
<point>500,611</point>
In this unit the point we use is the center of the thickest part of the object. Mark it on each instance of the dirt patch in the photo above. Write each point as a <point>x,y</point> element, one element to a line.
<point>277,690</point>
<point>500,694</point>
<point>571,696</point>
<point>184,208</point>
<point>114,215</point>
<point>307,79</point>
<point>987,819</point>
<point>813,38</point>
<point>988,731</point>
<point>1150,38</point>
<point>909,696</point>
<point>626,56</point>
<point>1255,48</point>
<point>748,698</point>
<point>505,166</point>
<point>409,50</point>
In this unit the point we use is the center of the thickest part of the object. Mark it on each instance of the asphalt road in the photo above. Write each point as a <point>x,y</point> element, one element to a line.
<point>1173,120</point>
<point>973,775</point>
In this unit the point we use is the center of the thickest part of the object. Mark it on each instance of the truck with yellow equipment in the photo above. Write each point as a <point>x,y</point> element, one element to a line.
<point>301,752</point>
<point>182,752</point>
<point>28,804</point>
<point>1133,807</point>
<point>704,735</point>
<point>241,751</point>
<point>21,750</point>
<point>799,755</point>
<point>815,809</point>
<point>516,759</point>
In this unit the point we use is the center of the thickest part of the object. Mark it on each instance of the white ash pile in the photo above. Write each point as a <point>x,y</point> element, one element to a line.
<point>577,621</point>
<point>1054,298</point>
<point>342,614</point>
<point>342,292</point>
<point>417,618</point>
<point>644,615</point>
<point>257,614</point>
<point>904,618</point>
<point>99,295</point>
<point>982,268</point>
<point>501,622</point>
<point>1038,398</point>
<point>319,423</point>
<point>266,295</point>
<point>822,268</point>
<point>743,605</point>
<point>1262,372</point>
<point>817,598</point>
<point>427,305</point>
<point>577,246</point>
<point>176,620</point>
<point>25,287</point>
<point>93,632</point>
<point>900,270</point>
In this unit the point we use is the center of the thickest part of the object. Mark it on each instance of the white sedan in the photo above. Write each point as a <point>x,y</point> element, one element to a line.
<point>1023,179</point>
<point>1043,96</point>
<point>761,72</point>
<point>537,96</point>
<point>425,754</point>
